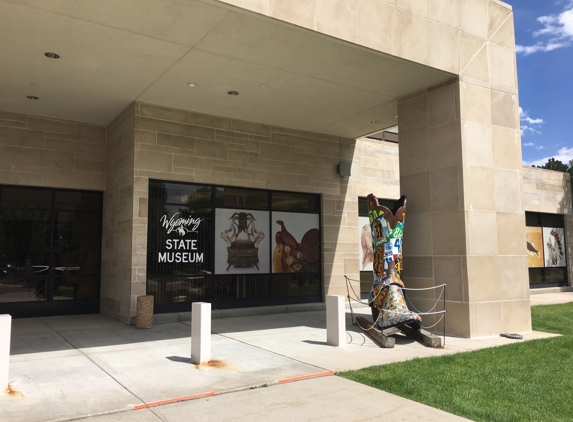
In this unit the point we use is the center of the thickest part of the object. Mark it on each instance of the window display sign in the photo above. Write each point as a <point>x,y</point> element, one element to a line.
<point>365,248</point>
<point>554,246</point>
<point>178,240</point>
<point>241,244</point>
<point>180,249</point>
<point>296,242</point>
<point>534,247</point>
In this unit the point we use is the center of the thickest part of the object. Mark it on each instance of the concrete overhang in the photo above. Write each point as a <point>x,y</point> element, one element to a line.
<point>114,52</point>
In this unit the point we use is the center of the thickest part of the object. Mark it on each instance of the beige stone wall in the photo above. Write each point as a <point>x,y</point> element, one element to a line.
<point>178,145</point>
<point>460,161</point>
<point>550,192</point>
<point>118,279</point>
<point>445,34</point>
<point>36,151</point>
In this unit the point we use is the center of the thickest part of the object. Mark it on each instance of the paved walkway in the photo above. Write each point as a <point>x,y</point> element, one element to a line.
<point>274,366</point>
<point>551,298</point>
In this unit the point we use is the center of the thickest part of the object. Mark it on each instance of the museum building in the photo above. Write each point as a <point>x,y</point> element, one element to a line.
<point>221,151</point>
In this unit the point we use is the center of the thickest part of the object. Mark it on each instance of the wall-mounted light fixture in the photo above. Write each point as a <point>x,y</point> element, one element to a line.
<point>343,169</point>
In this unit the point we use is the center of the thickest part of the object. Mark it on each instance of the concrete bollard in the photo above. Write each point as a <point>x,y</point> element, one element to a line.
<point>5,331</point>
<point>335,321</point>
<point>200,332</point>
<point>144,312</point>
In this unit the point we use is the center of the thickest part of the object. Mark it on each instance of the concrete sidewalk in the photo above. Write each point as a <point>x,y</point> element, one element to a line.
<point>89,366</point>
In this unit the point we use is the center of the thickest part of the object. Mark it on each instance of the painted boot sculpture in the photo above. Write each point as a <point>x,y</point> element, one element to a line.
<point>389,309</point>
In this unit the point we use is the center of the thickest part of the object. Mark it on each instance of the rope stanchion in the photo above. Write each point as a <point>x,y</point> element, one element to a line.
<point>409,302</point>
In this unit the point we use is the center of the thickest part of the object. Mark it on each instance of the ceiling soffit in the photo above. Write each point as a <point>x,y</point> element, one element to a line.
<point>113,53</point>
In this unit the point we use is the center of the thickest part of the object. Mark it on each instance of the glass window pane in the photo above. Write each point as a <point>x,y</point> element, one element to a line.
<point>296,285</point>
<point>71,287</point>
<point>78,201</point>
<point>241,198</point>
<point>25,239</point>
<point>552,220</point>
<point>242,286</point>
<point>76,243</point>
<point>175,247</point>
<point>177,193</point>
<point>532,219</point>
<point>26,198</point>
<point>180,289</point>
<point>298,202</point>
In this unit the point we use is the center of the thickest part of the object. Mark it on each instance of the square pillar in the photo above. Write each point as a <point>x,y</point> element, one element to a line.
<point>460,162</point>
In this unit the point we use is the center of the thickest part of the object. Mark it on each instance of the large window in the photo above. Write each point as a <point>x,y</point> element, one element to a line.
<point>546,252</point>
<point>50,242</point>
<point>230,246</point>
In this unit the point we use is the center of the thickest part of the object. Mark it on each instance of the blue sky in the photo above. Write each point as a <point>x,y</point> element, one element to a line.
<point>544,38</point>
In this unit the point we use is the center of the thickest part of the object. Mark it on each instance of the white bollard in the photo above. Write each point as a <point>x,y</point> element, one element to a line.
<point>335,321</point>
<point>200,332</point>
<point>5,329</point>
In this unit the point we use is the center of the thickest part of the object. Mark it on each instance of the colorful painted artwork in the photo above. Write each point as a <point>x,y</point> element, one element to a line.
<point>534,247</point>
<point>365,248</point>
<point>296,243</point>
<point>387,232</point>
<point>554,246</point>
<point>242,246</point>
<point>389,307</point>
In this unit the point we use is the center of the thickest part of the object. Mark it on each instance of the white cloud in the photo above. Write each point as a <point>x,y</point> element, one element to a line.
<point>564,155</point>
<point>524,117</point>
<point>529,144</point>
<point>557,32</point>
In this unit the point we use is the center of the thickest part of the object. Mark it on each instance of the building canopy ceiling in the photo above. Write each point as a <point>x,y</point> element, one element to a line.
<point>114,52</point>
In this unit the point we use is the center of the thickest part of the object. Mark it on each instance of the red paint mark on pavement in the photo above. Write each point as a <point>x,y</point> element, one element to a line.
<point>174,400</point>
<point>304,377</point>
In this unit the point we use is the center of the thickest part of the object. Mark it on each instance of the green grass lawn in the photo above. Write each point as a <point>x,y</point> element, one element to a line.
<point>527,381</point>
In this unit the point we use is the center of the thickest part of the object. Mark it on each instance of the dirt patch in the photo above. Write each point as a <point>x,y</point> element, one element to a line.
<point>219,364</point>
<point>11,392</point>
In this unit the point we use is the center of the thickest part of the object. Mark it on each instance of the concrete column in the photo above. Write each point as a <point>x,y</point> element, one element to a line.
<point>200,332</point>
<point>5,330</point>
<point>460,163</point>
<point>335,321</point>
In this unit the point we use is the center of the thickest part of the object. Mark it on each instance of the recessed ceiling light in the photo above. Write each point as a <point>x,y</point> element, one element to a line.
<point>395,116</point>
<point>263,86</point>
<point>374,121</point>
<point>32,83</point>
<point>32,97</point>
<point>52,55</point>
<point>233,93</point>
<point>191,85</point>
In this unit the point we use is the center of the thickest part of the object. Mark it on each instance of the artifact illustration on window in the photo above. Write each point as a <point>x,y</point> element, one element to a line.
<point>296,242</point>
<point>554,247</point>
<point>365,236</point>
<point>241,241</point>
<point>534,247</point>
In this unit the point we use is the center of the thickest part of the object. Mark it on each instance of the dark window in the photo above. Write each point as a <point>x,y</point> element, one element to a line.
<point>241,198</point>
<point>295,202</point>
<point>221,261</point>
<point>50,243</point>
<point>546,249</point>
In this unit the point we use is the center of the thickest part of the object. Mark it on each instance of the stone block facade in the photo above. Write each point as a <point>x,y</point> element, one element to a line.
<point>37,151</point>
<point>151,142</point>
<point>550,192</point>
